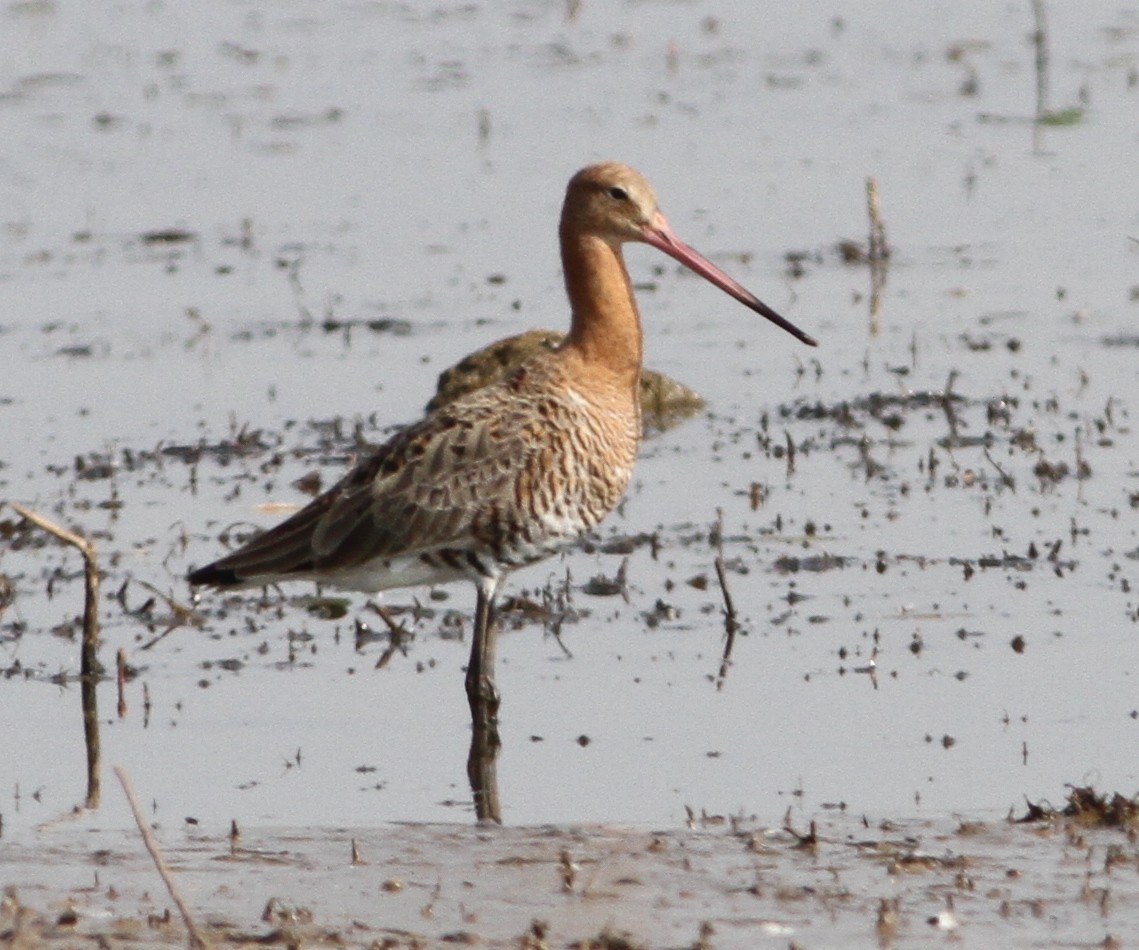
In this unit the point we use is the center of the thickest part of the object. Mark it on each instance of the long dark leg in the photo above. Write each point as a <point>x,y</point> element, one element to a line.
<point>483,699</point>
<point>481,691</point>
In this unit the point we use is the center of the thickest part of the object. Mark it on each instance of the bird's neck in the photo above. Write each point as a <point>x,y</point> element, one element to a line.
<point>606,327</point>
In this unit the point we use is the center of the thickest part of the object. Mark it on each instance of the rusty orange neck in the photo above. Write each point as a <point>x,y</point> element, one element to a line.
<point>606,326</point>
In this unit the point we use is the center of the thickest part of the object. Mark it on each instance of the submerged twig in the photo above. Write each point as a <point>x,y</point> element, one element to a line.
<point>809,841</point>
<point>180,614</point>
<point>293,270</point>
<point>1006,479</point>
<point>196,938</point>
<point>731,624</point>
<point>397,634</point>
<point>731,621</point>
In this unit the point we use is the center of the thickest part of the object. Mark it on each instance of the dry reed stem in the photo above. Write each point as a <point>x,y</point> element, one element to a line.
<point>196,938</point>
<point>121,681</point>
<point>89,660</point>
<point>877,248</point>
<point>877,254</point>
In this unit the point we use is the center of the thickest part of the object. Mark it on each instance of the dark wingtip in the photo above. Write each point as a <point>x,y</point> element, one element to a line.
<point>213,576</point>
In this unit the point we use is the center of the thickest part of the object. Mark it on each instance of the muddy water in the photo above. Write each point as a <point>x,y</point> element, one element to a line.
<point>729,884</point>
<point>236,239</point>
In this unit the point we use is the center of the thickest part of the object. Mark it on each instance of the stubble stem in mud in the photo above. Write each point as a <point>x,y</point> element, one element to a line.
<point>196,938</point>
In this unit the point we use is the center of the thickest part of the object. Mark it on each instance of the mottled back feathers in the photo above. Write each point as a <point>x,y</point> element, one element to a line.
<point>501,477</point>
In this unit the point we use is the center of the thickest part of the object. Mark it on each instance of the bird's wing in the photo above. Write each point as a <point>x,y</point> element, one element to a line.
<point>435,487</point>
<point>434,484</point>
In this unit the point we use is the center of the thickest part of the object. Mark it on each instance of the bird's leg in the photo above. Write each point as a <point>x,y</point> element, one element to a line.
<point>481,691</point>
<point>483,699</point>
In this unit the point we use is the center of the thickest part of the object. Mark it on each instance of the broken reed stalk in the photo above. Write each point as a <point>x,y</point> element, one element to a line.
<point>1040,45</point>
<point>88,657</point>
<point>731,624</point>
<point>196,938</point>
<point>121,681</point>
<point>954,438</point>
<point>877,249</point>
<point>877,253</point>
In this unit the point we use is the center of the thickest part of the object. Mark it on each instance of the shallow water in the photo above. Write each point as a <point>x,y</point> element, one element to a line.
<point>369,191</point>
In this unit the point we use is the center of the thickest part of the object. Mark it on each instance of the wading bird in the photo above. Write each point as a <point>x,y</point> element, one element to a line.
<point>509,474</point>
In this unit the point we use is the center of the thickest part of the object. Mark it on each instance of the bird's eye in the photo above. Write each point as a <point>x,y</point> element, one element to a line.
<point>618,193</point>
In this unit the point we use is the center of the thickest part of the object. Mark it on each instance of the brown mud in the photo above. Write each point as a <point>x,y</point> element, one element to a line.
<point>725,881</point>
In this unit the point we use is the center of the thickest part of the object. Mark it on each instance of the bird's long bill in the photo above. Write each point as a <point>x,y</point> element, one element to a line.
<point>659,234</point>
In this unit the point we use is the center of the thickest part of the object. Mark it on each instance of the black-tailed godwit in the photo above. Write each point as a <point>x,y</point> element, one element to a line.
<point>509,474</point>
